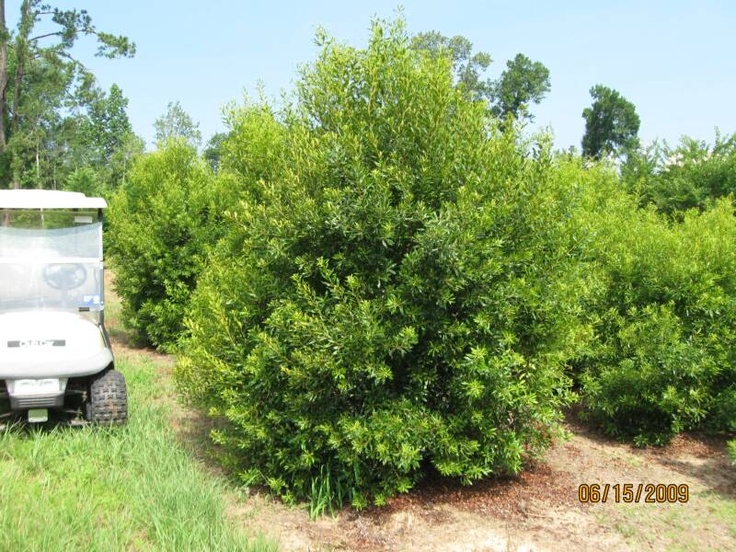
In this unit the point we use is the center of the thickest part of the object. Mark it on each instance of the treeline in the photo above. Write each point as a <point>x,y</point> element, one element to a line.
<point>58,128</point>
<point>383,278</point>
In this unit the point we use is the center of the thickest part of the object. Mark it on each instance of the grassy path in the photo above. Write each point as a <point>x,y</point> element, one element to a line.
<point>134,487</point>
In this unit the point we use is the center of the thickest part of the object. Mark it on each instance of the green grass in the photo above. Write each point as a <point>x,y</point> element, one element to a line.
<point>325,495</point>
<point>132,487</point>
<point>677,527</point>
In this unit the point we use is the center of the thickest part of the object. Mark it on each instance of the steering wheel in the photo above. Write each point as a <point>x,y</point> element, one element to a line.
<point>65,276</point>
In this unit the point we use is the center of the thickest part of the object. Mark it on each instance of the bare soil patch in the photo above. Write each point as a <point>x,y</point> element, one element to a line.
<point>538,510</point>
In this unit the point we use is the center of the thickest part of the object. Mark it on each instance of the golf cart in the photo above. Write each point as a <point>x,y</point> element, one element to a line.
<point>55,354</point>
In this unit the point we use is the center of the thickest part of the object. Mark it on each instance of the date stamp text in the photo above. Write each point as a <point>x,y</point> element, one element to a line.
<point>628,493</point>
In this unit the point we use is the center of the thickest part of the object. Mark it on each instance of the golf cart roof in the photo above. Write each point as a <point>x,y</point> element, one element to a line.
<point>48,199</point>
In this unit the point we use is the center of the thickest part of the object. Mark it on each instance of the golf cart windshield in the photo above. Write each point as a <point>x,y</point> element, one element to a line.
<point>50,260</point>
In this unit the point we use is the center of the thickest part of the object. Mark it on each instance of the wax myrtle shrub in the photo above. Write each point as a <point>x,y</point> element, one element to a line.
<point>397,295</point>
<point>665,322</point>
<point>162,222</point>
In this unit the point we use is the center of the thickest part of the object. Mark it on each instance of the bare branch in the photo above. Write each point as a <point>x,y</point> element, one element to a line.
<point>35,38</point>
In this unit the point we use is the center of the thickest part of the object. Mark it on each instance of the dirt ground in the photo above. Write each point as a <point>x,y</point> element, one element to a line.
<point>540,509</point>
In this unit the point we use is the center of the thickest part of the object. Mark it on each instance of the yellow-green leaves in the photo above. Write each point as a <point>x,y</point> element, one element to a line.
<point>394,274</point>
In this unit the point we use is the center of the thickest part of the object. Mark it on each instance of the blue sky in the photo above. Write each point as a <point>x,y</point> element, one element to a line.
<point>675,60</point>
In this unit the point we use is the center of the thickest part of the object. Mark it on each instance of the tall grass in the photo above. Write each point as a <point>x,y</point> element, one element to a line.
<point>325,494</point>
<point>123,488</point>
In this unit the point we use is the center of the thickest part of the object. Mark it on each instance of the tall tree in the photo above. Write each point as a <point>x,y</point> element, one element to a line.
<point>522,83</point>
<point>4,38</point>
<point>41,82</point>
<point>108,124</point>
<point>467,66</point>
<point>176,123</point>
<point>108,143</point>
<point>611,124</point>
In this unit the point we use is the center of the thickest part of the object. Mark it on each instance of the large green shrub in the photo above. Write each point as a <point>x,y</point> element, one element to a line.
<point>397,291</point>
<point>665,323</point>
<point>161,223</point>
<point>691,175</point>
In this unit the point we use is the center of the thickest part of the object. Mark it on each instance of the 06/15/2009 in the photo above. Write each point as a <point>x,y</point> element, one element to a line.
<point>648,493</point>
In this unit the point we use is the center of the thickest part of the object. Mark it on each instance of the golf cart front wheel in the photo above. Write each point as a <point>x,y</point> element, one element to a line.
<point>108,399</point>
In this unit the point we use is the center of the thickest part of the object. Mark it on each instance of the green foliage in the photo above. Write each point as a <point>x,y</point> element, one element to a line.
<point>85,180</point>
<point>107,135</point>
<point>397,290</point>
<point>101,147</point>
<point>123,157</point>
<point>213,151</point>
<point>691,175</point>
<point>466,65</point>
<point>176,123</point>
<point>50,105</point>
<point>611,124</point>
<point>523,82</point>
<point>665,323</point>
<point>161,225</point>
<point>254,149</point>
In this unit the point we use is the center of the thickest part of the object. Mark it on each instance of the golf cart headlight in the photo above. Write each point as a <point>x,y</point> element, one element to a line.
<point>28,387</point>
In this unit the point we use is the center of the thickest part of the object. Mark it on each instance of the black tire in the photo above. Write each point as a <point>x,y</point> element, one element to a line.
<point>108,398</point>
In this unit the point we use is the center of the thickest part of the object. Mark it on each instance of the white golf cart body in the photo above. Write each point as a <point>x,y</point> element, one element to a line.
<point>53,342</point>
